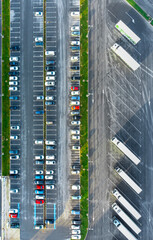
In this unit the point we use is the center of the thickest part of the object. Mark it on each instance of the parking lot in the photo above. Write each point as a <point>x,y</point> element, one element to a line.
<point>15,104</point>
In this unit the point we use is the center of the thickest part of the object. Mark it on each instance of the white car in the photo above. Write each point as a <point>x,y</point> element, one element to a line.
<point>49,177</point>
<point>40,157</point>
<point>50,172</point>
<point>39,172</point>
<point>39,226</point>
<point>50,162</point>
<point>50,142</point>
<point>13,59</point>
<point>39,39</point>
<point>14,190</point>
<point>38,14</point>
<point>75,132</point>
<point>75,227</point>
<point>38,141</point>
<point>14,157</point>
<point>13,88</point>
<point>76,231</point>
<point>74,58</point>
<point>51,73</point>
<point>75,93</point>
<point>49,98</point>
<point>74,137</point>
<point>13,171</point>
<point>40,97</point>
<point>13,68</point>
<point>75,147</point>
<point>75,187</point>
<point>13,83</point>
<point>40,197</point>
<point>75,172</point>
<point>50,53</point>
<point>13,78</point>
<point>49,123</point>
<point>75,28</point>
<point>14,137</point>
<point>75,14</point>
<point>75,103</point>
<point>50,78</point>
<point>13,211</point>
<point>75,122</point>
<point>49,83</point>
<point>15,127</point>
<point>75,43</point>
<point>50,157</point>
<point>50,186</point>
<point>76,237</point>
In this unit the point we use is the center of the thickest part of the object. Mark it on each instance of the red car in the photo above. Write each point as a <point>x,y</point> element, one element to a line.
<point>40,186</point>
<point>75,107</point>
<point>39,201</point>
<point>13,215</point>
<point>74,88</point>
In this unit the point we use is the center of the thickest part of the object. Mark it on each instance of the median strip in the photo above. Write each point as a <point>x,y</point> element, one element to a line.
<point>84,116</point>
<point>5,87</point>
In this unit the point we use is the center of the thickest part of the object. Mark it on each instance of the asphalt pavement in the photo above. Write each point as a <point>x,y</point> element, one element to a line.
<point>120,104</point>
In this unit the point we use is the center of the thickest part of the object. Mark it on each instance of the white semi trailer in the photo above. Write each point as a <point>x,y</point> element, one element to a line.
<point>126,151</point>
<point>123,229</point>
<point>125,57</point>
<point>126,218</point>
<point>128,180</point>
<point>126,204</point>
<point>127,32</point>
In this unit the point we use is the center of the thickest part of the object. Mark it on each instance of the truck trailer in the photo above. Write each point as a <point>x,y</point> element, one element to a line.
<point>126,151</point>
<point>123,229</point>
<point>120,52</point>
<point>126,204</point>
<point>126,218</point>
<point>128,180</point>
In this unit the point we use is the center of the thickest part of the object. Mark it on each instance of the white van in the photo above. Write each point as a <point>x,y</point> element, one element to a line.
<point>50,78</point>
<point>52,53</point>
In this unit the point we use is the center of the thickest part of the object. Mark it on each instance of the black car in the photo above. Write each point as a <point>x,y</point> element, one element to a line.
<point>14,107</point>
<point>49,68</point>
<point>50,88</point>
<point>49,221</point>
<point>75,77</point>
<point>14,176</point>
<point>13,63</point>
<point>77,167</point>
<point>50,147</point>
<point>15,48</point>
<point>15,225</point>
<point>13,73</point>
<point>75,67</point>
<point>76,117</point>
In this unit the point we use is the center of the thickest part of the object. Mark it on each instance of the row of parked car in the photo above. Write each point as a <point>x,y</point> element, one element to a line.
<point>75,117</point>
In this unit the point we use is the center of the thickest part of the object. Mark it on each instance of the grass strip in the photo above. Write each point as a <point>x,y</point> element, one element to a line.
<point>5,87</point>
<point>84,116</point>
<point>139,9</point>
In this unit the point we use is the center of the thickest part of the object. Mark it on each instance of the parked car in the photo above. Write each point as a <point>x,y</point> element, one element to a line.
<point>13,211</point>
<point>39,182</point>
<point>75,227</point>
<point>14,172</point>
<point>15,48</point>
<point>38,141</point>
<point>75,78</point>
<point>75,28</point>
<point>49,98</point>
<point>39,191</point>
<point>75,103</point>
<point>39,39</point>
<point>76,222</point>
<point>14,157</point>
<point>74,137</point>
<point>39,171</point>
<point>13,73</point>
<point>50,147</point>
<point>74,88</point>
<point>50,78</point>
<point>15,127</point>
<point>75,14</point>
<point>75,108</point>
<point>13,151</point>
<point>75,33</point>
<point>75,147</point>
<point>75,132</point>
<point>38,14</point>
<point>76,237</point>
<point>52,53</point>
<point>50,186</point>
<point>13,88</point>
<point>75,43</point>
<point>75,93</point>
<point>75,122</point>
<point>13,59</point>
<point>75,172</point>
<point>13,97</point>
<point>39,177</point>
<point>15,225</point>
<point>39,226</point>
<point>76,197</point>
<point>40,187</point>
<point>50,103</point>
<point>13,63</point>
<point>50,62</point>
<point>50,142</point>
<point>49,182</point>
<point>49,68</point>
<point>75,67</point>
<point>50,172</point>
<point>39,201</point>
<point>14,78</point>
<point>40,196</point>
<point>75,187</point>
<point>14,190</point>
<point>50,157</point>
<point>74,58</point>
<point>15,68</point>
<point>75,113</point>
<point>47,177</point>
<point>14,107</point>
<point>40,97</point>
<point>50,162</point>
<point>39,157</point>
<point>39,162</point>
<point>50,88</point>
<point>50,83</point>
<point>49,221</point>
<point>14,137</point>
<point>76,231</point>
<point>13,215</point>
<point>13,83</point>
<point>76,117</point>
<point>52,73</point>
<point>39,112</point>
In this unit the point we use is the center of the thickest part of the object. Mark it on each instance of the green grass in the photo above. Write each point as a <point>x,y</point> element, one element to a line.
<point>139,9</point>
<point>84,116</point>
<point>5,86</point>
<point>151,23</point>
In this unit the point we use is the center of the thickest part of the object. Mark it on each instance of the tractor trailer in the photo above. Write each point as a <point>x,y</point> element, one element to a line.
<point>128,180</point>
<point>126,218</point>
<point>126,151</point>
<point>123,229</point>
<point>126,204</point>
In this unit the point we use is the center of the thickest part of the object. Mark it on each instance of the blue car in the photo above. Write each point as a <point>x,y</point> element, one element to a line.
<point>13,152</point>
<point>75,33</point>
<point>50,62</point>
<point>39,43</point>
<point>75,48</point>
<point>39,191</point>
<point>13,98</point>
<point>75,98</point>
<point>39,177</point>
<point>39,112</point>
